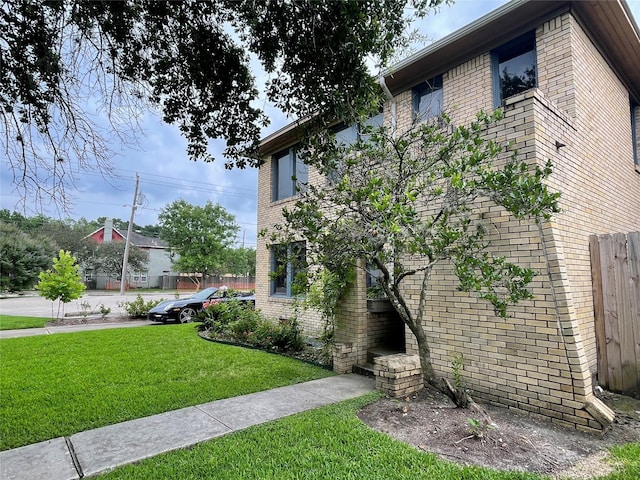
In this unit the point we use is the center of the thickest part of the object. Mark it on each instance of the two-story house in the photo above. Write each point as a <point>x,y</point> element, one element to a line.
<point>567,75</point>
<point>158,267</point>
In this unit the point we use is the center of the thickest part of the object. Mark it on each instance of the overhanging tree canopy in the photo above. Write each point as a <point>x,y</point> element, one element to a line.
<point>189,59</point>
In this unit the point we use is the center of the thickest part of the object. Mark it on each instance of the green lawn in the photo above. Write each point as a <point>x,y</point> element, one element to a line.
<point>61,384</point>
<point>13,322</point>
<point>326,443</point>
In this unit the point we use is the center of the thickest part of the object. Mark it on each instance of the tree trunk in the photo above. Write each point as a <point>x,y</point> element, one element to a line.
<point>458,395</point>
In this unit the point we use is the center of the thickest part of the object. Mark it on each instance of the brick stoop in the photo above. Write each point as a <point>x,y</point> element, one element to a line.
<point>398,375</point>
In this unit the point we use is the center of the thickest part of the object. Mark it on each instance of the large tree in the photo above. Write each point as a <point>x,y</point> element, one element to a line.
<point>408,204</point>
<point>202,237</point>
<point>66,62</point>
<point>22,258</point>
<point>241,261</point>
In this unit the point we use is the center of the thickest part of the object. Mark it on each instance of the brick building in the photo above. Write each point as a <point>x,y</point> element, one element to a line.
<point>576,103</point>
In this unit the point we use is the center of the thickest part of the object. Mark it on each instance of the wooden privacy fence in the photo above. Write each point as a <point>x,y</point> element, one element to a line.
<point>615,270</point>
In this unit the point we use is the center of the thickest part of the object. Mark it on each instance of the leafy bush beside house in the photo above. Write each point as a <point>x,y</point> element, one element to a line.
<point>240,323</point>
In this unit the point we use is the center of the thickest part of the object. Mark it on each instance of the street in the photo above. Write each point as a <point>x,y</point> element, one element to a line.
<point>32,305</point>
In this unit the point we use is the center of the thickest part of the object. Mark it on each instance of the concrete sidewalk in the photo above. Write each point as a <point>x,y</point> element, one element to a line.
<point>96,451</point>
<point>30,332</point>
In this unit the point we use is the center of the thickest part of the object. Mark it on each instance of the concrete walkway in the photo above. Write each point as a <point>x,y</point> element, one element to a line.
<point>100,450</point>
<point>30,332</point>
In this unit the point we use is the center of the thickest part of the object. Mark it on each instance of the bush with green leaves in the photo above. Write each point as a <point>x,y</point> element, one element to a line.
<point>138,308</point>
<point>282,336</point>
<point>241,323</point>
<point>217,317</point>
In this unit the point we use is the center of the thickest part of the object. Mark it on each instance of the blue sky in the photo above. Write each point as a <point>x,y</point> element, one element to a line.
<point>166,174</point>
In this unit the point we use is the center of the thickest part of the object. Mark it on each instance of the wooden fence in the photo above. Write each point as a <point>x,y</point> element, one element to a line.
<point>615,270</point>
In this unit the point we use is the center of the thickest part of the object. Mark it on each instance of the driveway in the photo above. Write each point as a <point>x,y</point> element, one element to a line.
<point>32,305</point>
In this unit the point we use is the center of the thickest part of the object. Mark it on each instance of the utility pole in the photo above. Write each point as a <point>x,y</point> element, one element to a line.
<point>125,260</point>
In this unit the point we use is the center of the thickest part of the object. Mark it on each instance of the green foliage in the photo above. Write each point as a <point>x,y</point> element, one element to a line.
<point>217,317</point>
<point>282,336</point>
<point>457,364</point>
<point>22,258</point>
<point>104,311</point>
<point>241,261</point>
<point>628,459</point>
<point>324,295</point>
<point>202,236</point>
<point>376,291</point>
<point>241,323</point>
<point>436,168</point>
<point>63,281</point>
<point>132,373</point>
<point>324,443</point>
<point>85,309</point>
<point>188,60</point>
<point>137,308</point>
<point>60,234</point>
<point>479,429</point>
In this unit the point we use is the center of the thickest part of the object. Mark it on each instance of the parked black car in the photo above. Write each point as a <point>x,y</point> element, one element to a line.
<point>184,309</point>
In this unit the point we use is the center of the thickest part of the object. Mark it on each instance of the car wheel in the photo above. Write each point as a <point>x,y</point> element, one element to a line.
<point>186,315</point>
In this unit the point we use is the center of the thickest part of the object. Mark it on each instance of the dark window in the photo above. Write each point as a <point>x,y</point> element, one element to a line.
<point>289,174</point>
<point>287,262</point>
<point>347,136</point>
<point>514,67</point>
<point>427,99</point>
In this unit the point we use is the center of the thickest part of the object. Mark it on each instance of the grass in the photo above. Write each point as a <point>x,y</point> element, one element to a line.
<point>61,384</point>
<point>326,443</point>
<point>14,322</point>
<point>629,457</point>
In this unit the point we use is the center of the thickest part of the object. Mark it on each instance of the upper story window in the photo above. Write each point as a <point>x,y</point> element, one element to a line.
<point>348,135</point>
<point>289,174</point>
<point>514,67</point>
<point>427,99</point>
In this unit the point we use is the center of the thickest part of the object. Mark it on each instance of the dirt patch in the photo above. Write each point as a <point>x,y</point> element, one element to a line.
<point>429,421</point>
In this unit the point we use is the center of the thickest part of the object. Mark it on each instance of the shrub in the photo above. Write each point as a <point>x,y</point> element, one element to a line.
<point>240,323</point>
<point>138,307</point>
<point>244,328</point>
<point>217,317</point>
<point>283,336</point>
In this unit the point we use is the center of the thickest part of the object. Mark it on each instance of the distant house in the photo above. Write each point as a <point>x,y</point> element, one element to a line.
<point>158,267</point>
<point>577,103</point>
